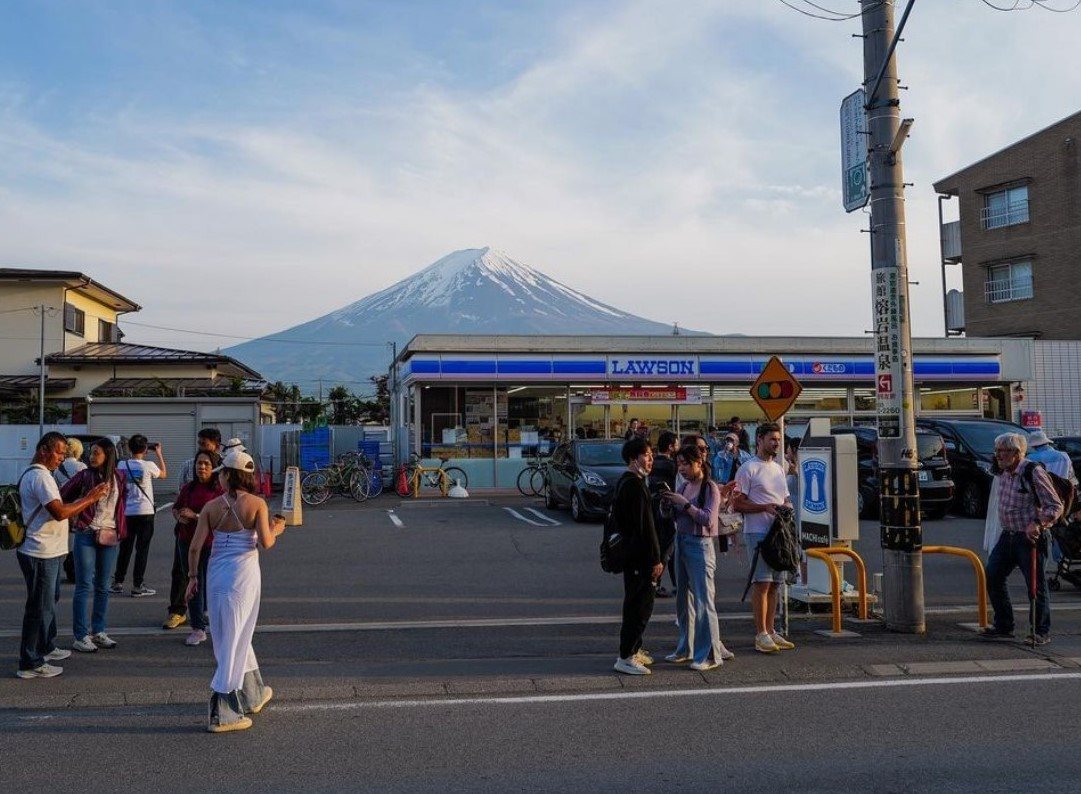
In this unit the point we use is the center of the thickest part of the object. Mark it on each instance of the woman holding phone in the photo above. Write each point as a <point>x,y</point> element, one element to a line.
<point>240,522</point>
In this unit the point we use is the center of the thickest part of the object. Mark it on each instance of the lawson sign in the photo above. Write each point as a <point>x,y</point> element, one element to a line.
<point>653,367</point>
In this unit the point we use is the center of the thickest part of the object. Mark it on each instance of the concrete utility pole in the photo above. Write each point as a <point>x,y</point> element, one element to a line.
<point>902,537</point>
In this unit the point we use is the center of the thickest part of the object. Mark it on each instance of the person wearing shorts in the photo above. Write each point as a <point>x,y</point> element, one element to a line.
<point>762,489</point>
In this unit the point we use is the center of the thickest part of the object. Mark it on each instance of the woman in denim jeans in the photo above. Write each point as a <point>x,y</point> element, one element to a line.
<point>95,561</point>
<point>191,500</point>
<point>698,505</point>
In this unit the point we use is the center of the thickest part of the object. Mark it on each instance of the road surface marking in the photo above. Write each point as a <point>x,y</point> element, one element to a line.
<point>544,517</point>
<point>520,517</point>
<point>395,520</point>
<point>164,507</point>
<point>765,689</point>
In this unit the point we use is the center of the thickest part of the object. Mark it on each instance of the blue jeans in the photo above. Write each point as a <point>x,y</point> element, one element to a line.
<point>197,606</point>
<point>1014,550</point>
<point>94,567</point>
<point>696,564</point>
<point>39,620</point>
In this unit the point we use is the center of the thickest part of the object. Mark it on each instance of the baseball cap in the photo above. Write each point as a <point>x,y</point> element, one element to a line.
<point>238,460</point>
<point>233,444</point>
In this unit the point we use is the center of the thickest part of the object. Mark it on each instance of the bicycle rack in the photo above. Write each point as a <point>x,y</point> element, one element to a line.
<point>826,555</point>
<point>982,620</point>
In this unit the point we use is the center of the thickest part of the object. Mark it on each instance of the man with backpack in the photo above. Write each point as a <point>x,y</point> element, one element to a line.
<point>632,514</point>
<point>762,491</point>
<point>140,513</point>
<point>44,546</point>
<point>1028,506</point>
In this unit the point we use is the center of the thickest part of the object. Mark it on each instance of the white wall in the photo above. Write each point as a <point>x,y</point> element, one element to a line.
<point>17,443</point>
<point>1056,390</point>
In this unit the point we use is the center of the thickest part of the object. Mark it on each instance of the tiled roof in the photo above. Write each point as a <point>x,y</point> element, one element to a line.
<point>180,387</point>
<point>22,383</point>
<point>124,353</point>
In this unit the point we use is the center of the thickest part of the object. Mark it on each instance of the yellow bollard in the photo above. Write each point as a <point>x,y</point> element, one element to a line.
<point>981,577</point>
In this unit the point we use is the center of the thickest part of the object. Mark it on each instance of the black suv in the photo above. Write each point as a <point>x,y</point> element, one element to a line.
<point>936,484</point>
<point>970,448</point>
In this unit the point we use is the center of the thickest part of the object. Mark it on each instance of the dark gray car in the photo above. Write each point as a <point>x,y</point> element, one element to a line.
<point>582,474</point>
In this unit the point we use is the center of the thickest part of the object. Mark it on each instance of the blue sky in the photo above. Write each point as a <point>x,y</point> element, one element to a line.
<point>679,161</point>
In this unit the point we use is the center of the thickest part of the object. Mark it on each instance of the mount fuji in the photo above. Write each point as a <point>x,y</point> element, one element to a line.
<point>479,291</point>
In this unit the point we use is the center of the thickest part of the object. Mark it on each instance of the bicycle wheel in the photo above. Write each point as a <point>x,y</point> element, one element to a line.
<point>525,478</point>
<point>538,481</point>
<point>456,475</point>
<point>314,488</point>
<point>375,484</point>
<point>359,483</point>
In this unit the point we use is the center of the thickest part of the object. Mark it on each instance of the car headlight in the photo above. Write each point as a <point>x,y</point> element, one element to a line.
<point>984,466</point>
<point>592,478</point>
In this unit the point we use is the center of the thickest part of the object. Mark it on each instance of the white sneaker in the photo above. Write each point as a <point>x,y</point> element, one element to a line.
<point>84,645</point>
<point>709,664</point>
<point>44,671</point>
<point>195,638</point>
<point>781,642</point>
<point>763,643</point>
<point>725,653</point>
<point>103,640</point>
<point>675,658</point>
<point>631,667</point>
<point>643,657</point>
<point>57,654</point>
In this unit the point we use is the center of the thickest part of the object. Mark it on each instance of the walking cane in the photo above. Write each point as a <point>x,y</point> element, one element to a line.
<point>1032,596</point>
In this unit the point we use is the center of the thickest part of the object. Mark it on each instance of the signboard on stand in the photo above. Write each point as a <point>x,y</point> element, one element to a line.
<point>291,501</point>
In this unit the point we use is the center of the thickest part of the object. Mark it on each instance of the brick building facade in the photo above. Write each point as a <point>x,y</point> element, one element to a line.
<point>1018,239</point>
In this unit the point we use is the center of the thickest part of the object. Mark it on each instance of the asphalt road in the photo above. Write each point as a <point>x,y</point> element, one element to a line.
<point>930,735</point>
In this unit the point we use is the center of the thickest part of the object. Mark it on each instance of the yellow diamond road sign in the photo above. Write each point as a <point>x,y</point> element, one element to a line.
<point>775,390</point>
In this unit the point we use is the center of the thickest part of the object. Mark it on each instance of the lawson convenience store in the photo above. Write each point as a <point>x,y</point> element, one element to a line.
<point>489,402</point>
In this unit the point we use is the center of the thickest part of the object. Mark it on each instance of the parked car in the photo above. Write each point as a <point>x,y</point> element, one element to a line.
<point>1071,445</point>
<point>970,449</point>
<point>582,474</point>
<point>934,472</point>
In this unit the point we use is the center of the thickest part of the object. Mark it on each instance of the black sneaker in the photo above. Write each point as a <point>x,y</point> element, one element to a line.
<point>991,633</point>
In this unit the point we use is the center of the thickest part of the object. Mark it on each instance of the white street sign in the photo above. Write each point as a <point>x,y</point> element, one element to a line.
<point>855,182</point>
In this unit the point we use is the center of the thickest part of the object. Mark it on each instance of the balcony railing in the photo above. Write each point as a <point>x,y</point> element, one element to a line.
<point>1003,291</point>
<point>1008,215</point>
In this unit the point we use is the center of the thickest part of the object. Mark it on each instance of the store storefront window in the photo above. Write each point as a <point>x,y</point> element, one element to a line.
<point>954,401</point>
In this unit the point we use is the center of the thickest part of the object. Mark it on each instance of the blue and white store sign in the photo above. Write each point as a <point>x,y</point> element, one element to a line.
<point>653,367</point>
<point>815,499</point>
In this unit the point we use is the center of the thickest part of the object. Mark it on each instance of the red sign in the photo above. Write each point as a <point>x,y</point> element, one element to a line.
<point>675,394</point>
<point>1031,420</point>
<point>885,384</point>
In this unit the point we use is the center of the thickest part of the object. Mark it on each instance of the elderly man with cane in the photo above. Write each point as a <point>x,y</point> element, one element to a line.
<point>1027,506</point>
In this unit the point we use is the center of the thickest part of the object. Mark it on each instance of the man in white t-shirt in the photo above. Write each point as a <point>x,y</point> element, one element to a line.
<point>763,488</point>
<point>41,553</point>
<point>139,511</point>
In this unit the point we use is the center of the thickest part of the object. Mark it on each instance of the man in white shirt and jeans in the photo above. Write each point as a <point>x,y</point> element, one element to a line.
<point>139,511</point>
<point>762,489</point>
<point>41,554</point>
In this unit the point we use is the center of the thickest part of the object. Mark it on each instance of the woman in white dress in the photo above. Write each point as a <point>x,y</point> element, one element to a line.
<point>240,522</point>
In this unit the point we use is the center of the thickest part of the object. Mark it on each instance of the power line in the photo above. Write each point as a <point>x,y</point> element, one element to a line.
<point>255,338</point>
<point>838,16</point>
<point>1033,4</point>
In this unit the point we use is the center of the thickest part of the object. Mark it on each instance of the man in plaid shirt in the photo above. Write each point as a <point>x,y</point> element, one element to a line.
<point>1027,507</point>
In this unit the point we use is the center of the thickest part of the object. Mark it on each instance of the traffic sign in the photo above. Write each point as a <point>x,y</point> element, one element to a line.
<point>855,186</point>
<point>775,390</point>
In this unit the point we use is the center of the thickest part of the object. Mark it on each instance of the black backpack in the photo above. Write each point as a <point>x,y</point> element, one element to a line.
<point>12,525</point>
<point>1063,487</point>
<point>615,546</point>
<point>780,548</point>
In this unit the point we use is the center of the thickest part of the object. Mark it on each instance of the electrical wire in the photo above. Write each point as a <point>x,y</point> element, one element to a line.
<point>838,16</point>
<point>255,338</point>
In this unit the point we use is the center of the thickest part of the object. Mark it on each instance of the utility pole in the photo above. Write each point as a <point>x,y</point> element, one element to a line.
<point>41,377</point>
<point>901,535</point>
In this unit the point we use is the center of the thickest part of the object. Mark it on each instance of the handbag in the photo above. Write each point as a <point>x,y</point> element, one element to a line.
<point>107,536</point>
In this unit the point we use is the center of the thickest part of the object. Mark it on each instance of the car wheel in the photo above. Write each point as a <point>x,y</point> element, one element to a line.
<point>578,512</point>
<point>973,503</point>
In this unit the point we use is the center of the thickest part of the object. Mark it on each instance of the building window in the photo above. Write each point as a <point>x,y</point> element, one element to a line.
<point>74,320</point>
<point>106,332</point>
<point>1010,282</point>
<point>1005,207</point>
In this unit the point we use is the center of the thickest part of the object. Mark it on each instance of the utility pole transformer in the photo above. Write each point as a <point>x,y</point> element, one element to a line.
<point>899,503</point>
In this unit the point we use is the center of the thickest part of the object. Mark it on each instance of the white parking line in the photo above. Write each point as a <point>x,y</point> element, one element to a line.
<point>520,517</point>
<point>653,694</point>
<point>544,517</point>
<point>395,520</point>
<point>164,507</point>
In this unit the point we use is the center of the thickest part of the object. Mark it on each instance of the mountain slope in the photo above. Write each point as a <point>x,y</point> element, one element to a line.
<point>472,291</point>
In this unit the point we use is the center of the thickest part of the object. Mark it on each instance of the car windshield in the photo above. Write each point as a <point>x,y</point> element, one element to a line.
<point>601,454</point>
<point>981,435</point>
<point>928,445</point>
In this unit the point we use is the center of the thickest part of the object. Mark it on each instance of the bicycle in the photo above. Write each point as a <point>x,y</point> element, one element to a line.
<point>344,476</point>
<point>533,479</point>
<point>442,476</point>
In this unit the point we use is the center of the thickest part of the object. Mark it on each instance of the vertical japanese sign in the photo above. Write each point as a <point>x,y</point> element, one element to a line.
<point>889,366</point>
<point>855,185</point>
